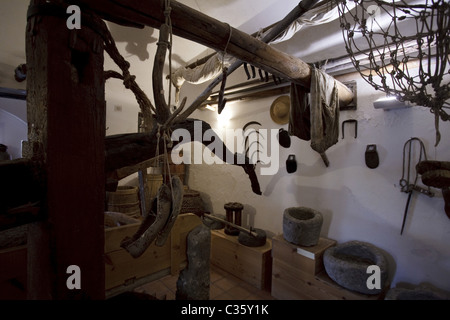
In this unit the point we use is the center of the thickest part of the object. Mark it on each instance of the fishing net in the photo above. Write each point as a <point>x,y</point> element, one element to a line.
<point>402,48</point>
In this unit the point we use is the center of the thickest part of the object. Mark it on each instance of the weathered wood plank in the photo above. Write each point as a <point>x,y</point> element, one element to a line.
<point>121,267</point>
<point>251,264</point>
<point>162,109</point>
<point>66,115</point>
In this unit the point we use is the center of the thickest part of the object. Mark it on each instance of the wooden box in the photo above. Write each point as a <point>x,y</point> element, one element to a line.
<point>251,264</point>
<point>122,270</point>
<point>307,259</point>
<point>13,273</point>
<point>290,283</point>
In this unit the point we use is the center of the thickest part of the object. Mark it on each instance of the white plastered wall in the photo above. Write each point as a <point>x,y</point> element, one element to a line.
<point>358,203</point>
<point>13,126</point>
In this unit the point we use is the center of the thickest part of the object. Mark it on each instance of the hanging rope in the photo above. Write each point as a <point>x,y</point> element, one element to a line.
<point>222,101</point>
<point>128,80</point>
<point>165,133</point>
<point>167,12</point>
<point>166,161</point>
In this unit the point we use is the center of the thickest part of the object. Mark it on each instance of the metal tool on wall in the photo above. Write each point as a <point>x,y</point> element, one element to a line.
<point>350,121</point>
<point>263,76</point>
<point>407,185</point>
<point>371,156</point>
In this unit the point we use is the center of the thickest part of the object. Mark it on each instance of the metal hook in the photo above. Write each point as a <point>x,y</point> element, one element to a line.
<point>352,121</point>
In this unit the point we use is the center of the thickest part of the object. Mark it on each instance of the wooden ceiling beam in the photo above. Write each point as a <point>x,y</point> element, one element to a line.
<point>200,28</point>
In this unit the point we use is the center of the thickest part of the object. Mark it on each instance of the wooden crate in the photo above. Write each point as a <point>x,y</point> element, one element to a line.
<point>122,270</point>
<point>251,264</point>
<point>290,283</point>
<point>307,259</point>
<point>13,273</point>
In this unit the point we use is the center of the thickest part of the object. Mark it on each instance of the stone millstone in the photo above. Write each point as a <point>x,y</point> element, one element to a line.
<point>302,226</point>
<point>249,240</point>
<point>214,224</point>
<point>194,281</point>
<point>347,265</point>
<point>420,292</point>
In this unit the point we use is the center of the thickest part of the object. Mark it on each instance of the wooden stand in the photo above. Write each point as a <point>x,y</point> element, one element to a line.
<point>298,274</point>
<point>123,272</point>
<point>251,264</point>
<point>289,283</point>
<point>306,259</point>
<point>13,273</point>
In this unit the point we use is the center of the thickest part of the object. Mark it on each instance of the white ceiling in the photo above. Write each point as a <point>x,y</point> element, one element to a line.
<point>250,16</point>
<point>246,15</point>
<point>311,44</point>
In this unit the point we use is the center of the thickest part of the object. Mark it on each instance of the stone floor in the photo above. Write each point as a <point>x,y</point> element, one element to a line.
<point>224,286</point>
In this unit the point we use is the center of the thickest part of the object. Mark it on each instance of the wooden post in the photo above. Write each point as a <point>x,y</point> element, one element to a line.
<point>66,121</point>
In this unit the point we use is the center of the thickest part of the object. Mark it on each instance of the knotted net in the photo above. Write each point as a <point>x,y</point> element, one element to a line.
<point>402,48</point>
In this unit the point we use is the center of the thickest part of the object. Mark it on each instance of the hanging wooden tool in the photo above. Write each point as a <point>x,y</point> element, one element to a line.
<point>263,75</point>
<point>247,72</point>
<point>222,100</point>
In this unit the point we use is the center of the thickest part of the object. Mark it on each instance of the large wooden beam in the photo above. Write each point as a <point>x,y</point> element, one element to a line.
<point>66,120</point>
<point>131,148</point>
<point>274,32</point>
<point>200,28</point>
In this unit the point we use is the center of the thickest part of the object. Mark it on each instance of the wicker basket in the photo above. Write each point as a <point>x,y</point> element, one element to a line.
<point>154,182</point>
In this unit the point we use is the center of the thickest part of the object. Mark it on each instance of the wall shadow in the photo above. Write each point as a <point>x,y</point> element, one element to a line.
<point>137,39</point>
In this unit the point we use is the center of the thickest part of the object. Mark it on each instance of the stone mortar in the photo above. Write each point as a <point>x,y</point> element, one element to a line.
<point>347,265</point>
<point>302,226</point>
